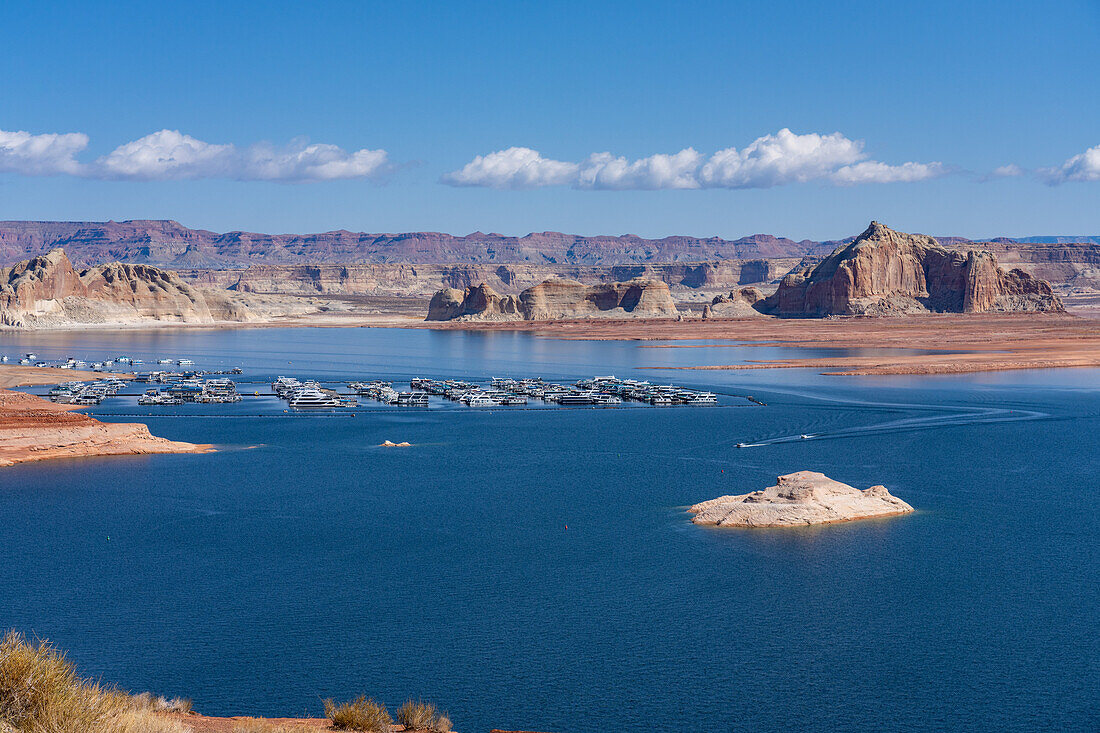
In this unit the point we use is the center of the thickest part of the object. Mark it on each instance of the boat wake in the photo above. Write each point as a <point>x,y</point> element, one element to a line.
<point>943,416</point>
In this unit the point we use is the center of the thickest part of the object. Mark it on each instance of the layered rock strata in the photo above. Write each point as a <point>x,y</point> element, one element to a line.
<point>32,429</point>
<point>556,299</point>
<point>48,292</point>
<point>884,272</point>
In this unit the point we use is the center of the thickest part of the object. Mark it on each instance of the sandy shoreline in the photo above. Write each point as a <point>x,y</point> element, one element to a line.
<point>34,429</point>
<point>952,344</point>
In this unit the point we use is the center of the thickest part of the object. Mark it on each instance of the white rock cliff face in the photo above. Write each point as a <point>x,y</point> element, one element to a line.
<point>799,499</point>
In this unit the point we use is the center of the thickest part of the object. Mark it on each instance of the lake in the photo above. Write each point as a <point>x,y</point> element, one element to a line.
<point>536,569</point>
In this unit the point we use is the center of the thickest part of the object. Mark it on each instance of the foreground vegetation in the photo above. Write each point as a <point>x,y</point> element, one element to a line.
<point>41,692</point>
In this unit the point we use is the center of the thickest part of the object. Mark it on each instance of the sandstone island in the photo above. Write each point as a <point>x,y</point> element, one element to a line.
<point>799,499</point>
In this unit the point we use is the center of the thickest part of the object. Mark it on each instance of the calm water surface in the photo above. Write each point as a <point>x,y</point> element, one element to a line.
<point>536,569</point>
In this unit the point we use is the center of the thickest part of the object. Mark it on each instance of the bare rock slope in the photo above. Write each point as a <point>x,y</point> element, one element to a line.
<point>48,292</point>
<point>556,299</point>
<point>884,272</point>
<point>799,499</point>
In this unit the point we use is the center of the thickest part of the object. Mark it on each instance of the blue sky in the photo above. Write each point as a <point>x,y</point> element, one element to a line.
<point>295,117</point>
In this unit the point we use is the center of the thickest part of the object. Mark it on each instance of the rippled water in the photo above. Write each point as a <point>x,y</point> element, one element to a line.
<point>536,569</point>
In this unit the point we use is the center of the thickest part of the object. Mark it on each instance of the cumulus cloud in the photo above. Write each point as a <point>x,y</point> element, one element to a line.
<point>513,168</point>
<point>605,171</point>
<point>172,155</point>
<point>40,155</point>
<point>771,160</point>
<point>1083,167</point>
<point>784,157</point>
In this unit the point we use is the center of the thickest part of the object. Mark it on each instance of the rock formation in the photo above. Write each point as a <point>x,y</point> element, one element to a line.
<point>170,244</point>
<point>799,499</point>
<point>416,280</point>
<point>48,292</point>
<point>739,303</point>
<point>32,429</point>
<point>556,299</point>
<point>884,272</point>
<point>480,302</point>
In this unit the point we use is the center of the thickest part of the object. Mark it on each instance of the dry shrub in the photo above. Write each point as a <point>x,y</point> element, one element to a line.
<point>420,715</point>
<point>160,704</point>
<point>40,692</point>
<point>362,714</point>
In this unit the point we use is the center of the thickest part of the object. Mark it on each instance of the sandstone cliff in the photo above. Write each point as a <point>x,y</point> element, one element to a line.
<point>687,279</point>
<point>884,272</point>
<point>48,292</point>
<point>799,499</point>
<point>556,299</point>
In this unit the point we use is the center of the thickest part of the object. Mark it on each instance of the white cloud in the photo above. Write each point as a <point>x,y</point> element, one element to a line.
<point>1083,167</point>
<point>171,155</point>
<point>781,158</point>
<point>40,155</point>
<point>771,160</point>
<point>1007,171</point>
<point>513,168</point>
<point>872,171</point>
<point>167,154</point>
<point>605,171</point>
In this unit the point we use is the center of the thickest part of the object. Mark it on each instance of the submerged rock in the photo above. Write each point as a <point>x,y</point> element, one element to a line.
<point>798,499</point>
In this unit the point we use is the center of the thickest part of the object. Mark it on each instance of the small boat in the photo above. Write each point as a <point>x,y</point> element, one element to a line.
<point>742,445</point>
<point>804,436</point>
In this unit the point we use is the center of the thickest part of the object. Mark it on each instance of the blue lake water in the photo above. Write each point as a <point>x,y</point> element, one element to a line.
<point>536,569</point>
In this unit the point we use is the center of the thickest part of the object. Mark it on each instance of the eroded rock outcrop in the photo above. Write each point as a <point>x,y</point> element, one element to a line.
<point>799,499</point>
<point>741,303</point>
<point>556,299</point>
<point>884,272</point>
<point>48,292</point>
<point>479,302</point>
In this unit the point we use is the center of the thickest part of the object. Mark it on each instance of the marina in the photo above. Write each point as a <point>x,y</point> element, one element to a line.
<point>214,387</point>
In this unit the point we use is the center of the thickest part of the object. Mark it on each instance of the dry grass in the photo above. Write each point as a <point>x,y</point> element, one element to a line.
<point>422,716</point>
<point>259,725</point>
<point>158,704</point>
<point>40,692</point>
<point>362,714</point>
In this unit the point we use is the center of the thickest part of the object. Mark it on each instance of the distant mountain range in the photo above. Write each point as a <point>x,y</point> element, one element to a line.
<point>166,243</point>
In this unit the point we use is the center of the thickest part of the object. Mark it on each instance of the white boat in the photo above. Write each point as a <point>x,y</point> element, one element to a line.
<point>309,397</point>
<point>476,399</point>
